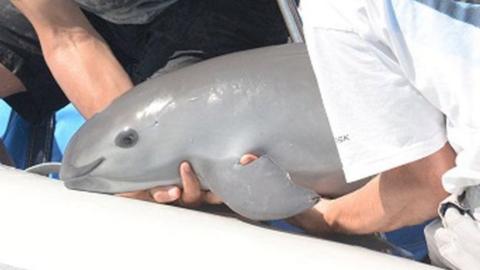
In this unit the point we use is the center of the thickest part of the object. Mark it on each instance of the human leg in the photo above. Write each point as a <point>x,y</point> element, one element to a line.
<point>10,84</point>
<point>25,69</point>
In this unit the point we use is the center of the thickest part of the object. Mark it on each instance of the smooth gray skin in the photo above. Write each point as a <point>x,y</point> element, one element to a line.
<point>265,102</point>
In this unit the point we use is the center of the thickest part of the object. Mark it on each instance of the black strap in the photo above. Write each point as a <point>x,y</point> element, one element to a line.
<point>41,141</point>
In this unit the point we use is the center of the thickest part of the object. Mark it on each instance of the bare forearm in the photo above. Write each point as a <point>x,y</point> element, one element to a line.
<point>87,72</point>
<point>80,60</point>
<point>404,196</point>
<point>379,207</point>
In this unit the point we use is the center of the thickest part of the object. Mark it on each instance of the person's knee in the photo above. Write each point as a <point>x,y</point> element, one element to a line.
<point>10,84</point>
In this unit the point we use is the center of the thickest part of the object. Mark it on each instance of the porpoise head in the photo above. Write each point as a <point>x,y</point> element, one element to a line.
<point>109,152</point>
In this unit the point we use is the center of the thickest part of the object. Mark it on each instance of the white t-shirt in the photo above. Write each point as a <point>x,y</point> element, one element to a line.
<point>399,78</point>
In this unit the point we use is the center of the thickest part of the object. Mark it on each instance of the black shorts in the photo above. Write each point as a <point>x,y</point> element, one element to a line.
<point>207,27</point>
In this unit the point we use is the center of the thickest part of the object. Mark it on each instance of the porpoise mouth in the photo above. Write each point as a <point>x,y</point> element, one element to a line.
<point>70,172</point>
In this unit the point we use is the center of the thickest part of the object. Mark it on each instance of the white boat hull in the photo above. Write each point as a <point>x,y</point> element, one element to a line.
<point>45,226</point>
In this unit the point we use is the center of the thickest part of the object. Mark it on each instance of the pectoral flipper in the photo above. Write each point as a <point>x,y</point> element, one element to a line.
<point>260,190</point>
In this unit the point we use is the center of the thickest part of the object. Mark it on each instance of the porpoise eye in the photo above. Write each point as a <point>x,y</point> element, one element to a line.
<point>127,138</point>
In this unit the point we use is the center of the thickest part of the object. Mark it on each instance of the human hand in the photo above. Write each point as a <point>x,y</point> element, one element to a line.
<point>192,196</point>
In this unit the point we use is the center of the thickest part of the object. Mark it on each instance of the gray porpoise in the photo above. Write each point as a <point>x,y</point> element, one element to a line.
<point>262,101</point>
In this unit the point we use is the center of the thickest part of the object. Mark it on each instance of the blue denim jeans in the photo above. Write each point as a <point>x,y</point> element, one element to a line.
<point>410,239</point>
